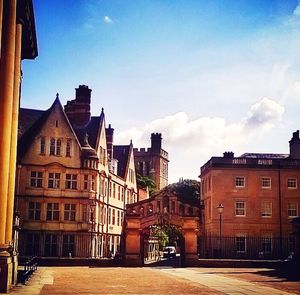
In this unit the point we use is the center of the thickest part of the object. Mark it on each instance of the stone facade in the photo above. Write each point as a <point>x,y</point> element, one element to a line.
<point>153,162</point>
<point>71,188</point>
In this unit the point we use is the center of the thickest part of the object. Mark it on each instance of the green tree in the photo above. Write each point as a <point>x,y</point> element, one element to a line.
<point>144,182</point>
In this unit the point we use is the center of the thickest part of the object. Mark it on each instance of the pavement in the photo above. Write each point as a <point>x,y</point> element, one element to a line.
<point>156,280</point>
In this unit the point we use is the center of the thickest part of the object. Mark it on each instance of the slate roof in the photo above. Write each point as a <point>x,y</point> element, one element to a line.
<point>92,129</point>
<point>121,153</point>
<point>27,117</point>
<point>30,123</point>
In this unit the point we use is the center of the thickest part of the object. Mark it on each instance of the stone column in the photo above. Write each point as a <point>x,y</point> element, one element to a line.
<point>133,249</point>
<point>14,136</point>
<point>13,154</point>
<point>190,232</point>
<point>6,103</point>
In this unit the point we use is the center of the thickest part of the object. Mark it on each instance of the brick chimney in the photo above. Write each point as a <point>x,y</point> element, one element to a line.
<point>78,109</point>
<point>156,142</point>
<point>110,141</point>
<point>295,146</point>
<point>228,155</point>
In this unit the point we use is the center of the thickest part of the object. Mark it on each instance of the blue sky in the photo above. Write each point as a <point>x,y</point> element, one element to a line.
<point>210,75</point>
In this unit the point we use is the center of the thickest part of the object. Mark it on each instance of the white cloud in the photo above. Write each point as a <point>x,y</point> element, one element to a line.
<point>107,20</point>
<point>264,114</point>
<point>297,10</point>
<point>191,142</point>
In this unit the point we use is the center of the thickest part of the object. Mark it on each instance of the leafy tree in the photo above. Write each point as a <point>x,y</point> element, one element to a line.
<point>144,182</point>
<point>186,189</point>
<point>166,234</point>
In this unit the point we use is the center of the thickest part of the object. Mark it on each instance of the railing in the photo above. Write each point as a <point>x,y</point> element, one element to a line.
<point>29,265</point>
<point>216,161</point>
<point>242,247</point>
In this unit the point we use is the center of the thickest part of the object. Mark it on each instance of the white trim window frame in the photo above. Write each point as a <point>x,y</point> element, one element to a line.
<point>240,182</point>
<point>292,183</point>
<point>266,209</point>
<point>240,208</point>
<point>292,209</point>
<point>266,182</point>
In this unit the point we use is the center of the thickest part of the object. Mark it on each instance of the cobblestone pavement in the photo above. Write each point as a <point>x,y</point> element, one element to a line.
<point>159,280</point>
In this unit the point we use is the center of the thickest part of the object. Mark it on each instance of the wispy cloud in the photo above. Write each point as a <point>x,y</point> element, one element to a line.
<point>194,141</point>
<point>297,10</point>
<point>107,20</point>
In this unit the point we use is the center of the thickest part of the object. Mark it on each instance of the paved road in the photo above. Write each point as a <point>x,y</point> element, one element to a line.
<point>158,280</point>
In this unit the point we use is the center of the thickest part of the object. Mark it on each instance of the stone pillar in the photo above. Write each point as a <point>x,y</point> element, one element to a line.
<point>190,232</point>
<point>13,154</point>
<point>14,136</point>
<point>133,256</point>
<point>6,103</point>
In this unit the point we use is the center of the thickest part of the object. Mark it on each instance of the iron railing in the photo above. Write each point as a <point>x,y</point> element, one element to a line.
<point>244,247</point>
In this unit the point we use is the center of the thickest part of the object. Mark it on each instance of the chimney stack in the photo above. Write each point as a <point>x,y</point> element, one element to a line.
<point>78,109</point>
<point>228,155</point>
<point>110,141</point>
<point>295,146</point>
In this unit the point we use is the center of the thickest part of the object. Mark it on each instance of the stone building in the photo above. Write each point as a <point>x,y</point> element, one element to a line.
<point>153,162</point>
<point>260,196</point>
<point>72,182</point>
<point>17,42</point>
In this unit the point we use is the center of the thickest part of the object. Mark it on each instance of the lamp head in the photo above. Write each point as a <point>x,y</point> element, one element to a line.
<point>220,208</point>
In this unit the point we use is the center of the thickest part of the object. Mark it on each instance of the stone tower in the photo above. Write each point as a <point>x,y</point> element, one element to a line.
<point>153,162</point>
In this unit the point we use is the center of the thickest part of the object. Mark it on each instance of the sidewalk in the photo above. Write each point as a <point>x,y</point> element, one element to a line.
<point>222,283</point>
<point>148,280</point>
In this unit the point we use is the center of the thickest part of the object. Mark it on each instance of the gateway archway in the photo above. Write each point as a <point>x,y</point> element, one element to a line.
<point>167,210</point>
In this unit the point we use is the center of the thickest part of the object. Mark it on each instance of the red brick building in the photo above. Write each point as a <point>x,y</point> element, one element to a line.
<point>260,194</point>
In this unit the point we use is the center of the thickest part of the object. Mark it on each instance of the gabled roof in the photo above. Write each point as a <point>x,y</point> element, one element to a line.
<point>122,154</point>
<point>31,122</point>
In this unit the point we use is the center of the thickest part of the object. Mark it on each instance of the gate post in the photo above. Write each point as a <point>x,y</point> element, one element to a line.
<point>133,250</point>
<point>190,233</point>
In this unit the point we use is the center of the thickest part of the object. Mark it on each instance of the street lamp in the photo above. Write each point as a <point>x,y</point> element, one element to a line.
<point>220,208</point>
<point>92,208</point>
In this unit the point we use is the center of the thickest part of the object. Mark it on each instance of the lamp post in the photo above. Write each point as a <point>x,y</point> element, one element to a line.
<point>92,208</point>
<point>220,208</point>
